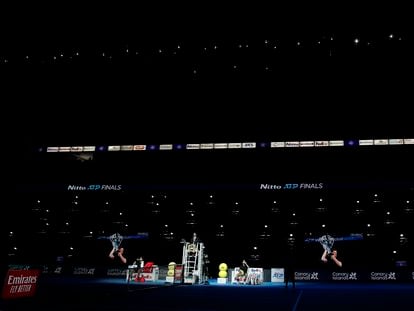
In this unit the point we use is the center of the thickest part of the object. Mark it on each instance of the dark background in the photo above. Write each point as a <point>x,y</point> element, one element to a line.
<point>335,91</point>
<point>356,92</point>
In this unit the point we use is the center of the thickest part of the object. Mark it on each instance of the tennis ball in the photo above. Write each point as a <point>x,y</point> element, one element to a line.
<point>223,267</point>
<point>222,274</point>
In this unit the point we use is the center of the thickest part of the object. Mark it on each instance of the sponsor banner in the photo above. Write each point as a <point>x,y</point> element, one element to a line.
<point>396,141</point>
<point>84,271</point>
<point>336,143</point>
<point>52,269</point>
<point>235,145</point>
<point>20,283</point>
<point>254,276</point>
<point>381,142</point>
<point>325,275</point>
<point>127,147</point>
<point>248,145</point>
<point>114,148</point>
<point>220,146</point>
<point>277,144</point>
<point>383,276</point>
<point>178,274</point>
<point>166,147</point>
<point>207,146</point>
<point>277,275</point>
<point>116,272</point>
<point>351,276</point>
<point>311,185</point>
<point>19,267</point>
<point>306,144</point>
<point>94,187</point>
<point>58,270</point>
<point>270,187</point>
<point>291,144</point>
<point>321,143</point>
<point>76,149</point>
<point>302,186</point>
<point>44,269</point>
<point>307,276</point>
<point>192,146</point>
<point>253,145</point>
<point>89,148</point>
<point>366,142</point>
<point>234,275</point>
<point>140,147</point>
<point>345,276</point>
<point>52,149</point>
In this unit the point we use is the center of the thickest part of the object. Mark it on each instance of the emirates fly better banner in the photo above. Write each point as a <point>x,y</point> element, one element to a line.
<point>20,283</point>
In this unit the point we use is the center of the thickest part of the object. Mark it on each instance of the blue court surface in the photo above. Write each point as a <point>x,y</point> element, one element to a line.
<point>81,293</point>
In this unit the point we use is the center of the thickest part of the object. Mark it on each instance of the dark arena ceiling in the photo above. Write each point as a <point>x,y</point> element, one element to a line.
<point>84,77</point>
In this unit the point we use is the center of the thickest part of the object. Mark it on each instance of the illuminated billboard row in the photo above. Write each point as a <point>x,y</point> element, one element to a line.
<point>241,145</point>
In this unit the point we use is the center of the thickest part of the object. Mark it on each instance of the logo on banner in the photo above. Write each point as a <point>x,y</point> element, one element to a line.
<point>278,274</point>
<point>344,276</point>
<point>383,276</point>
<point>116,272</point>
<point>58,270</point>
<point>83,271</point>
<point>307,276</point>
<point>20,283</point>
<point>292,186</point>
<point>94,187</point>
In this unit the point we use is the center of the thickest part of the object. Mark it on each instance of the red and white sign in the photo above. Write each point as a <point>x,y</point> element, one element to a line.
<point>20,283</point>
<point>178,274</point>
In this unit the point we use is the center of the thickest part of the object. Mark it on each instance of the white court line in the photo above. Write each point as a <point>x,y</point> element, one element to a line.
<point>297,301</point>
